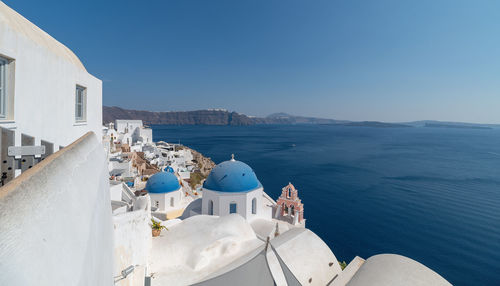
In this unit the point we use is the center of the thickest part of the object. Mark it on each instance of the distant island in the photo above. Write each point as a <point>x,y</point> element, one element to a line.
<point>208,117</point>
<point>445,125</point>
<point>232,118</point>
<point>197,117</point>
<point>376,124</point>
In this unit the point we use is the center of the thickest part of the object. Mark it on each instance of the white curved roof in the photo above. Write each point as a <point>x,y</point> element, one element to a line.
<point>200,246</point>
<point>305,258</point>
<point>10,19</point>
<point>393,269</point>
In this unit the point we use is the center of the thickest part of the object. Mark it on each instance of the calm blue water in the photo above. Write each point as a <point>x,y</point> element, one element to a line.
<point>430,194</point>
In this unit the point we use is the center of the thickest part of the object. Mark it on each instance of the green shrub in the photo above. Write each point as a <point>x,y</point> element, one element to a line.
<point>343,264</point>
<point>195,178</point>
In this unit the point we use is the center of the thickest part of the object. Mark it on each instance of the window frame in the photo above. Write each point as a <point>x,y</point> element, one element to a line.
<point>254,206</point>
<point>82,103</point>
<point>4,70</point>
<point>235,204</point>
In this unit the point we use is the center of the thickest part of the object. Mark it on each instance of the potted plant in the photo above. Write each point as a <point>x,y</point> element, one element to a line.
<point>156,227</point>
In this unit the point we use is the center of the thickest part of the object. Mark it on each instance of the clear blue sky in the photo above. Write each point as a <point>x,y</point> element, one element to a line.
<point>357,60</point>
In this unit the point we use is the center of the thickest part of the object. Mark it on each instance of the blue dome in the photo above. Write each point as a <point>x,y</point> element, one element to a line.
<point>163,182</point>
<point>232,177</point>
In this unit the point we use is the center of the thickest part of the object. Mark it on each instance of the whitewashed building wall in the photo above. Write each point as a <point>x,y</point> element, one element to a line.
<point>41,80</point>
<point>221,203</point>
<point>132,243</point>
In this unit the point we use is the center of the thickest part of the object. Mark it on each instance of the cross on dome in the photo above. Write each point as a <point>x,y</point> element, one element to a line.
<point>232,157</point>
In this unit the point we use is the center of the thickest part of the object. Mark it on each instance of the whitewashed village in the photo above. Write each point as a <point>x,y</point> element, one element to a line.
<point>86,204</point>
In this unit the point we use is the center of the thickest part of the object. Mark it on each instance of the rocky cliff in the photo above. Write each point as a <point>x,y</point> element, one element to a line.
<point>204,166</point>
<point>197,117</point>
<point>207,117</point>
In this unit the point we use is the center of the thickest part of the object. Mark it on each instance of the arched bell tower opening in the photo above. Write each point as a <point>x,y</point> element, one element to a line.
<point>289,206</point>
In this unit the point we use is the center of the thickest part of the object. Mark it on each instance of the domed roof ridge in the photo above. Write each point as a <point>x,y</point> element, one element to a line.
<point>232,176</point>
<point>163,182</point>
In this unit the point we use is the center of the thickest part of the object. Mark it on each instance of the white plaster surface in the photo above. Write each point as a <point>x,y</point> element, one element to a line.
<point>171,222</point>
<point>348,272</point>
<point>146,135</point>
<point>307,256</point>
<point>122,125</point>
<point>392,270</point>
<point>132,242</point>
<point>249,270</point>
<point>163,200</point>
<point>267,228</point>
<point>222,200</point>
<point>198,246</point>
<point>115,192</point>
<point>275,268</point>
<point>55,220</point>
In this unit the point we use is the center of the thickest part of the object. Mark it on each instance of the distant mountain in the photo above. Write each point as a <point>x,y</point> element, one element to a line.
<point>440,125</point>
<point>376,124</point>
<point>197,117</point>
<point>207,117</point>
<point>225,117</point>
<point>447,124</point>
<point>285,118</point>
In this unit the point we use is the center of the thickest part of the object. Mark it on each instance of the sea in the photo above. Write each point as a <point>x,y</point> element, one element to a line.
<point>432,194</point>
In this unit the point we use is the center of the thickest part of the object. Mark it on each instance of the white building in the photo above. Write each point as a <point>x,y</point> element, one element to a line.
<point>45,91</point>
<point>126,125</point>
<point>165,191</point>
<point>233,187</point>
<point>47,97</point>
<point>132,131</point>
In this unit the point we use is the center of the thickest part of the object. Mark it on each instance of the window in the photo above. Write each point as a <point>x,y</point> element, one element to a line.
<point>171,202</point>
<point>211,207</point>
<point>254,205</point>
<point>233,208</point>
<point>3,87</point>
<point>80,103</point>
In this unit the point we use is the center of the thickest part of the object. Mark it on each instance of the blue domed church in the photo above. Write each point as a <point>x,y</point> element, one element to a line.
<point>233,187</point>
<point>165,191</point>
